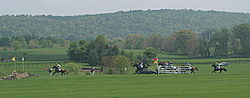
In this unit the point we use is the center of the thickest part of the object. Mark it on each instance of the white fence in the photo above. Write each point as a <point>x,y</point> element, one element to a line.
<point>174,70</point>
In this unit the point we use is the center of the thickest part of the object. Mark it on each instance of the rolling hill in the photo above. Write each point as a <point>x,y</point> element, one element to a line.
<point>118,24</point>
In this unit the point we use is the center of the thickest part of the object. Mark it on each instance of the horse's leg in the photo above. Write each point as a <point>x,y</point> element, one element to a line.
<point>53,73</point>
<point>220,70</point>
<point>214,71</point>
<point>61,73</point>
<point>136,71</point>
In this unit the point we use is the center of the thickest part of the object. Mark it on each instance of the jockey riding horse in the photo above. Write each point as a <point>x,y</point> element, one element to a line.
<point>218,68</point>
<point>57,68</point>
<point>141,68</point>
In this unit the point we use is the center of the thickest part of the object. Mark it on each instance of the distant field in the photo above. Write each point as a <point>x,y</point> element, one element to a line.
<point>233,84</point>
<point>61,54</point>
<point>160,55</point>
<point>37,54</point>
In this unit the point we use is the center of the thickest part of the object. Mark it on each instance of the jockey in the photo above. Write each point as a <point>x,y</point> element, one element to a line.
<point>141,65</point>
<point>58,66</point>
<point>218,67</point>
<point>92,70</point>
<point>188,64</point>
<point>170,63</point>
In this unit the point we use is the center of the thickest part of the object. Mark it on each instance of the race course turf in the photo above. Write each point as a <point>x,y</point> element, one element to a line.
<point>203,84</point>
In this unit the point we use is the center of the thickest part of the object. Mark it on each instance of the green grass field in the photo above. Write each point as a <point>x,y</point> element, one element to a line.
<point>232,84</point>
<point>37,54</point>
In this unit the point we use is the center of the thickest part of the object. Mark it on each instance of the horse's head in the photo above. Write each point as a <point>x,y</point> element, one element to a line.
<point>135,65</point>
<point>145,65</point>
<point>160,63</point>
<point>54,66</point>
<point>213,65</point>
<point>195,68</point>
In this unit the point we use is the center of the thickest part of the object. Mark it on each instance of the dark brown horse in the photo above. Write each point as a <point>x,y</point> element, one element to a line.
<point>165,63</point>
<point>57,70</point>
<point>140,67</point>
<point>218,68</point>
<point>192,69</point>
<point>143,69</point>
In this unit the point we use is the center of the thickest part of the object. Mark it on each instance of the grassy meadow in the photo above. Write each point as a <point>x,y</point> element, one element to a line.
<point>37,54</point>
<point>232,84</point>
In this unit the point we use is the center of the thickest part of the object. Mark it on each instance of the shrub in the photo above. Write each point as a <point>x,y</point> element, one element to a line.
<point>115,64</point>
<point>72,68</point>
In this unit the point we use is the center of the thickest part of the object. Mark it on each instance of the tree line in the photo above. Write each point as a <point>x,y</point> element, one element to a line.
<point>233,41</point>
<point>102,52</point>
<point>29,42</point>
<point>210,42</point>
<point>118,24</point>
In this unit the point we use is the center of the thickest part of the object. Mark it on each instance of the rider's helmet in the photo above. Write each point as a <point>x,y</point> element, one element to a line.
<point>58,65</point>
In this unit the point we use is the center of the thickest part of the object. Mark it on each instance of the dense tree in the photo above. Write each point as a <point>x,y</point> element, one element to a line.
<point>33,44</point>
<point>183,37</point>
<point>118,24</point>
<point>5,42</point>
<point>134,41</point>
<point>115,64</point>
<point>93,51</point>
<point>96,49</point>
<point>77,51</point>
<point>242,33</point>
<point>167,44</point>
<point>154,41</point>
<point>206,42</point>
<point>221,40</point>
<point>45,43</point>
<point>16,45</point>
<point>150,52</point>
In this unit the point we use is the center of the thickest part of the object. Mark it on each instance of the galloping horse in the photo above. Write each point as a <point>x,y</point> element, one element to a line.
<point>192,69</point>
<point>58,70</point>
<point>216,68</point>
<point>165,63</point>
<point>142,69</point>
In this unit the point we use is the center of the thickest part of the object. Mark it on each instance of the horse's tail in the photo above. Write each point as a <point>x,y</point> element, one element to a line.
<point>224,69</point>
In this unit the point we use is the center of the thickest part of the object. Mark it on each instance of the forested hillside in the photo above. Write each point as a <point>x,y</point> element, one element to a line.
<point>118,24</point>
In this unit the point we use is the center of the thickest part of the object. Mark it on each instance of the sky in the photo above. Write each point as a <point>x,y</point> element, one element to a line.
<point>82,7</point>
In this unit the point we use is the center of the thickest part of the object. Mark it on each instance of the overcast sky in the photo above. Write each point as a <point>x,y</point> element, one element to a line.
<point>81,7</point>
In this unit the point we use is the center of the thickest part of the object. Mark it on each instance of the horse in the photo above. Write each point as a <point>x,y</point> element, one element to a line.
<point>57,70</point>
<point>165,63</point>
<point>142,69</point>
<point>217,68</point>
<point>192,69</point>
